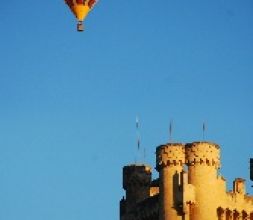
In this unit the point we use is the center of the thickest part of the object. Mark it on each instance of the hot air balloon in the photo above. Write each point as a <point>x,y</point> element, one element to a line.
<point>80,9</point>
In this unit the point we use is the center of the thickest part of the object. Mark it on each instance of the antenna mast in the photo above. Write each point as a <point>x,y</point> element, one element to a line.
<point>137,124</point>
<point>204,130</point>
<point>138,138</point>
<point>170,131</point>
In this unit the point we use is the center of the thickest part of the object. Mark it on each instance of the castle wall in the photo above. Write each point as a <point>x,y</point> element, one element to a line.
<point>236,203</point>
<point>188,187</point>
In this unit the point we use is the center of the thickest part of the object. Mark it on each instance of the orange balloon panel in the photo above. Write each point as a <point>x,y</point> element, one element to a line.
<point>80,8</point>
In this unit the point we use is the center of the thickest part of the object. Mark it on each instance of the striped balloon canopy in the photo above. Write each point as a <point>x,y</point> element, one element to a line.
<point>80,9</point>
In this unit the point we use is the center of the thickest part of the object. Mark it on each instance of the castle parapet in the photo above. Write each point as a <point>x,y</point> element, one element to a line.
<point>205,153</point>
<point>172,154</point>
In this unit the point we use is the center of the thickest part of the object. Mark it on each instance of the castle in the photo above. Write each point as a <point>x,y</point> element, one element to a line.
<point>189,187</point>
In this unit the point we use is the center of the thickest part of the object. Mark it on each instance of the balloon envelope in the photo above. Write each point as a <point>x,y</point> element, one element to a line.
<point>80,8</point>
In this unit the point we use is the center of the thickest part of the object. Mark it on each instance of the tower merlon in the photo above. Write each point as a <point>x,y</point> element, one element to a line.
<point>239,186</point>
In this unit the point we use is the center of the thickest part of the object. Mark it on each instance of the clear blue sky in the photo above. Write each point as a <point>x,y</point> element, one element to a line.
<point>69,100</point>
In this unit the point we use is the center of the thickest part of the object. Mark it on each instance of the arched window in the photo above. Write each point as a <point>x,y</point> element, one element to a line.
<point>244,215</point>
<point>221,213</point>
<point>236,215</point>
<point>251,216</point>
<point>228,214</point>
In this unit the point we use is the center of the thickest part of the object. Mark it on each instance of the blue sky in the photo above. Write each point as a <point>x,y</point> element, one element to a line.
<point>69,100</point>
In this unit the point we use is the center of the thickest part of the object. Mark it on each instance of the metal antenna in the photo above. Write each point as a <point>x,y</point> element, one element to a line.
<point>138,138</point>
<point>204,130</point>
<point>170,131</point>
<point>137,124</point>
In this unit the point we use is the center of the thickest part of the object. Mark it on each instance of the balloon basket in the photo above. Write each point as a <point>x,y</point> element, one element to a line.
<point>80,26</point>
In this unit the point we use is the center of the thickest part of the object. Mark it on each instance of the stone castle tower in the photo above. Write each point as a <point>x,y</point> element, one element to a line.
<point>189,187</point>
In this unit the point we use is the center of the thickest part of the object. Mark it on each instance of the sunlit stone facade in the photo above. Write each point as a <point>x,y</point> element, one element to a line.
<point>189,187</point>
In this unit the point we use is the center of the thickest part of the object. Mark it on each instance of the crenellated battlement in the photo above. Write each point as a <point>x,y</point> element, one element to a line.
<point>205,153</point>
<point>172,154</point>
<point>235,200</point>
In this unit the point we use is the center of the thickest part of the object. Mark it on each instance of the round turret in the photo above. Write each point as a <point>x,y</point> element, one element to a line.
<point>205,153</point>
<point>203,160</point>
<point>170,159</point>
